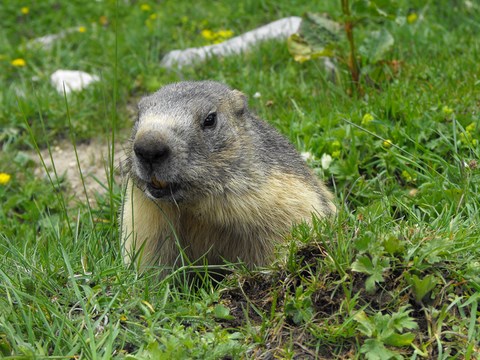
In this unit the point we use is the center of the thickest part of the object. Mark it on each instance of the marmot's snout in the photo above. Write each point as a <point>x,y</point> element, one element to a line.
<point>152,159</point>
<point>151,150</point>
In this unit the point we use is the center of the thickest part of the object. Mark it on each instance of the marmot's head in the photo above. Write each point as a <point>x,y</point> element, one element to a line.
<point>187,140</point>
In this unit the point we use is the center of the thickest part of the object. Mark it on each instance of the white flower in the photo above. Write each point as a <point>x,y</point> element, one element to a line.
<point>326,161</point>
<point>257,95</point>
<point>307,156</point>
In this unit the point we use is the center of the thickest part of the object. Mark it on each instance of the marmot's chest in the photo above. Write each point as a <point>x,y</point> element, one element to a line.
<point>201,236</point>
<point>218,242</point>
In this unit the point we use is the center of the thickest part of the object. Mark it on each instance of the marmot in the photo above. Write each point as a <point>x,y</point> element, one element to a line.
<point>208,178</point>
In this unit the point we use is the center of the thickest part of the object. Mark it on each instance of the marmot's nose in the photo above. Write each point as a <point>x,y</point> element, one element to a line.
<point>151,151</point>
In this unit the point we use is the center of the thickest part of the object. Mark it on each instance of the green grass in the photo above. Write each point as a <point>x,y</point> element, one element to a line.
<point>395,275</point>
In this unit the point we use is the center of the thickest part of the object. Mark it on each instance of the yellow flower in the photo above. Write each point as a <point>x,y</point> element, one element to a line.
<point>4,178</point>
<point>406,175</point>
<point>471,128</point>
<point>225,34</point>
<point>145,7</point>
<point>411,18</point>
<point>387,143</point>
<point>336,154</point>
<point>25,10</point>
<point>208,34</point>
<point>82,29</point>
<point>152,16</point>
<point>466,138</point>
<point>447,110</point>
<point>367,119</point>
<point>216,37</point>
<point>19,62</point>
<point>336,144</point>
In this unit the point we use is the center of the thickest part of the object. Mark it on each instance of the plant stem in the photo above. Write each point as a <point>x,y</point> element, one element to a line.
<point>352,60</point>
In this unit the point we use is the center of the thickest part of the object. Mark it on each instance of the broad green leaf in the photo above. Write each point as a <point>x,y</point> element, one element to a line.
<point>362,244</point>
<point>319,31</point>
<point>371,282</point>
<point>363,265</point>
<point>399,339</point>
<point>300,49</point>
<point>382,323</point>
<point>367,327</point>
<point>375,269</point>
<point>222,312</point>
<point>368,9</point>
<point>317,37</point>
<point>377,45</point>
<point>402,320</point>
<point>300,309</point>
<point>393,245</point>
<point>375,350</point>
<point>421,287</point>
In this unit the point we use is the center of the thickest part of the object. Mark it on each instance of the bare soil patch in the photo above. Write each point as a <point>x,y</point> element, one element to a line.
<point>90,161</point>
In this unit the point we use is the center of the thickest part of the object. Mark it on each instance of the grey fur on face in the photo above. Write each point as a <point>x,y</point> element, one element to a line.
<point>199,160</point>
<point>175,156</point>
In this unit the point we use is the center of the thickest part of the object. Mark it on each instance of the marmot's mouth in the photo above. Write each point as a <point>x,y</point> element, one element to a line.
<point>158,184</point>
<point>161,189</point>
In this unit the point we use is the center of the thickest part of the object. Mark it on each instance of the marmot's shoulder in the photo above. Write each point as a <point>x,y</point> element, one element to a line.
<point>274,149</point>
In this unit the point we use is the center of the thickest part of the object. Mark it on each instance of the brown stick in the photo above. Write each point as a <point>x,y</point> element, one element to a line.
<point>352,61</point>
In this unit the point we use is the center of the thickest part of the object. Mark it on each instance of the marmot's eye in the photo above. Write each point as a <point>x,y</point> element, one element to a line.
<point>210,120</point>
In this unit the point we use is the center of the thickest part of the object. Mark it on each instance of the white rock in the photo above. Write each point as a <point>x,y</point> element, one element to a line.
<point>47,41</point>
<point>73,80</point>
<point>275,30</point>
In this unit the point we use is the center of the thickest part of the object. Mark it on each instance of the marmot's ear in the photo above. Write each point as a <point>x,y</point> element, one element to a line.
<point>239,102</point>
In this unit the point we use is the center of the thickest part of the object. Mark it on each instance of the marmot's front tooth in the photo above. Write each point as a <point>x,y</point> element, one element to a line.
<point>158,183</point>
